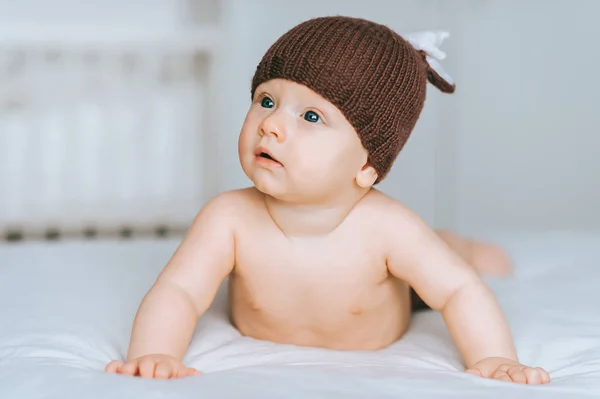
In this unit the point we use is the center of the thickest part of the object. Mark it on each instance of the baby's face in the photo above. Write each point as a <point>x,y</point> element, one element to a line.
<point>295,145</point>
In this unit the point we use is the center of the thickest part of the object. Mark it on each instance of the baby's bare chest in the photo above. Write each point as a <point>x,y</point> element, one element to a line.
<point>332,271</point>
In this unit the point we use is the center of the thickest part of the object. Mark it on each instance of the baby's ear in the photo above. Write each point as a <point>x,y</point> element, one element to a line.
<point>367,176</point>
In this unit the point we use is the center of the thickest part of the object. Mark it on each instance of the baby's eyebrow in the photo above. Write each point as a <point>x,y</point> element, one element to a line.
<point>261,93</point>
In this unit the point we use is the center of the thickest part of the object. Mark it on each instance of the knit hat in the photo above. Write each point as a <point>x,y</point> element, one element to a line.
<point>376,78</point>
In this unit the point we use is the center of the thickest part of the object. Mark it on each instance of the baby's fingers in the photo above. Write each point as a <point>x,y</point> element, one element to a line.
<point>130,368</point>
<point>536,375</point>
<point>114,366</point>
<point>474,372</point>
<point>545,375</point>
<point>163,370</point>
<point>147,368</point>
<point>517,375</point>
<point>182,372</point>
<point>191,372</point>
<point>501,375</point>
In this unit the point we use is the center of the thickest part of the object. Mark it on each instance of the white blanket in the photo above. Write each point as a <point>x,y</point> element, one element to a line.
<point>67,310</point>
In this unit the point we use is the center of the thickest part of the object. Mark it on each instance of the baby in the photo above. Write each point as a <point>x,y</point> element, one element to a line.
<point>316,256</point>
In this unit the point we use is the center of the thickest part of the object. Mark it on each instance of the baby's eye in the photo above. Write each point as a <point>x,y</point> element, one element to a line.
<point>266,102</point>
<point>311,116</point>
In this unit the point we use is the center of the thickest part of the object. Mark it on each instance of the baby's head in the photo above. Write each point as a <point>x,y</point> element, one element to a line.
<point>334,100</point>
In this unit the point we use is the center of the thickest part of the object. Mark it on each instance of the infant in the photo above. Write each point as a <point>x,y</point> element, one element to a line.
<point>316,256</point>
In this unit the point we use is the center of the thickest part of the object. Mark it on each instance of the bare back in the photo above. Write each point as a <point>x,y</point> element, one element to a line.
<point>331,291</point>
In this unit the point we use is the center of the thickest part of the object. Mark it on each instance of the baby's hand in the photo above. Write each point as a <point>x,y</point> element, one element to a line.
<point>152,366</point>
<point>508,370</point>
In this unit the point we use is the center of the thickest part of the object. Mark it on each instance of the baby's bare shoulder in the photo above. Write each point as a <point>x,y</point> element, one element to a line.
<point>234,206</point>
<point>378,207</point>
<point>391,220</point>
<point>237,197</point>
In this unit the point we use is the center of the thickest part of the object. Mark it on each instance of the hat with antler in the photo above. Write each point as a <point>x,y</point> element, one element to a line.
<point>374,76</point>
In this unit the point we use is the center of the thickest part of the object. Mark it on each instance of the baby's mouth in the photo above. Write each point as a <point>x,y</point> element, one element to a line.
<point>269,157</point>
<point>263,153</point>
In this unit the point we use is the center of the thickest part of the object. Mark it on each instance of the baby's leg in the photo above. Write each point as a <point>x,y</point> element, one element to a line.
<point>484,257</point>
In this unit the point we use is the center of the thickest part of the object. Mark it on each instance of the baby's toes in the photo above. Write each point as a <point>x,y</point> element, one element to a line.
<point>492,260</point>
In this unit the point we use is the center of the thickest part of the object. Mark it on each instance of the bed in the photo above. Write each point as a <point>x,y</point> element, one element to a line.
<point>109,134</point>
<point>67,309</point>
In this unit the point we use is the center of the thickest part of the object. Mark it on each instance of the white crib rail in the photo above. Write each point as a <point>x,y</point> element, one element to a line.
<point>103,133</point>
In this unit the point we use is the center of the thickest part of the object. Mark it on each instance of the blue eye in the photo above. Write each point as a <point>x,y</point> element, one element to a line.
<point>311,116</point>
<point>266,102</point>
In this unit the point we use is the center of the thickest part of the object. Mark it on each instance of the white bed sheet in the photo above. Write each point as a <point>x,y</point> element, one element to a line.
<point>67,309</point>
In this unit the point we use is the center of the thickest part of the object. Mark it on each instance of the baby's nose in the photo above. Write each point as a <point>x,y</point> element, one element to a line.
<point>271,126</point>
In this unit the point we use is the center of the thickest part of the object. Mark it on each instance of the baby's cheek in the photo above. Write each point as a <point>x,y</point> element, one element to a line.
<point>312,167</point>
<point>243,140</point>
<point>246,146</point>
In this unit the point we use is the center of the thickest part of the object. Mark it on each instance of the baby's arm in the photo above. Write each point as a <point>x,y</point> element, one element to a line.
<point>447,284</point>
<point>166,319</point>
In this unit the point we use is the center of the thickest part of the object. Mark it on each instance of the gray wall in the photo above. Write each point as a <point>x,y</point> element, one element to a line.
<point>514,148</point>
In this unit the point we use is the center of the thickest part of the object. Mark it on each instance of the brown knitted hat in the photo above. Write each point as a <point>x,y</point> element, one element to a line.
<point>372,75</point>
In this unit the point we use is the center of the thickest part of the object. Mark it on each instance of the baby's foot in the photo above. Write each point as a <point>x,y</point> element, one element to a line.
<point>483,257</point>
<point>490,259</point>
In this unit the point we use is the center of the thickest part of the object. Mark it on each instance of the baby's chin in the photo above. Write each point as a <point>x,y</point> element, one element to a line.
<point>282,192</point>
<point>269,185</point>
<point>285,188</point>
